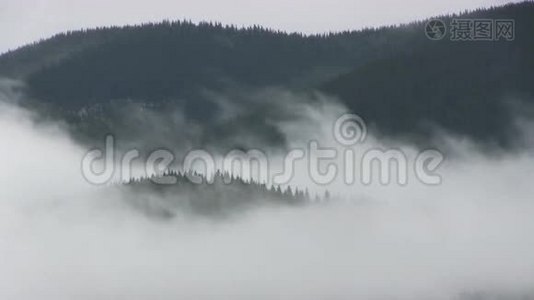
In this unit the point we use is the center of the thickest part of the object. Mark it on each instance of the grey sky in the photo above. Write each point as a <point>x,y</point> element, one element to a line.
<point>22,22</point>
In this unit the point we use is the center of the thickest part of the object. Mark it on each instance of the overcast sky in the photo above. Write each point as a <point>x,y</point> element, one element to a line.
<point>22,22</point>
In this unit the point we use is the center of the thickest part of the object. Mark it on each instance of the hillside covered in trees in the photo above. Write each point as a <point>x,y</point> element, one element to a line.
<point>219,195</point>
<point>398,80</point>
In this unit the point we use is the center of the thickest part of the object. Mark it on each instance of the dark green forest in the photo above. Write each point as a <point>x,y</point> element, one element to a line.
<point>219,196</point>
<point>402,83</point>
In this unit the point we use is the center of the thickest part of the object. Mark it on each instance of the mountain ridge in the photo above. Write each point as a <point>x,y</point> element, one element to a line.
<point>397,79</point>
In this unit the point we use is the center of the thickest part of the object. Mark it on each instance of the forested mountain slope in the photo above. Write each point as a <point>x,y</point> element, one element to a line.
<point>398,80</point>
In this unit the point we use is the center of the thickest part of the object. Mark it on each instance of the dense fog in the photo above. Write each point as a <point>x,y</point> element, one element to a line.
<point>63,238</point>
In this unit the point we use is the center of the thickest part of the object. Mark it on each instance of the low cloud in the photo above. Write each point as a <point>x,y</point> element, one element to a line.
<point>61,238</point>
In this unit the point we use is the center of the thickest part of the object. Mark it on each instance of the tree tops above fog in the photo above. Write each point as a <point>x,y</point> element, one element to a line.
<point>219,194</point>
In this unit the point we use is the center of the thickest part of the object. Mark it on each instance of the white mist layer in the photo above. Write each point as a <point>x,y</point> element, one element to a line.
<point>61,238</point>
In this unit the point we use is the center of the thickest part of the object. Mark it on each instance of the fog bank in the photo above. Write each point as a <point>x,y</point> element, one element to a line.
<point>61,238</point>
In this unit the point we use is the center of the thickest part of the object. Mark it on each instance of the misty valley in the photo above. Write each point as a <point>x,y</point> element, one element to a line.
<point>212,158</point>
